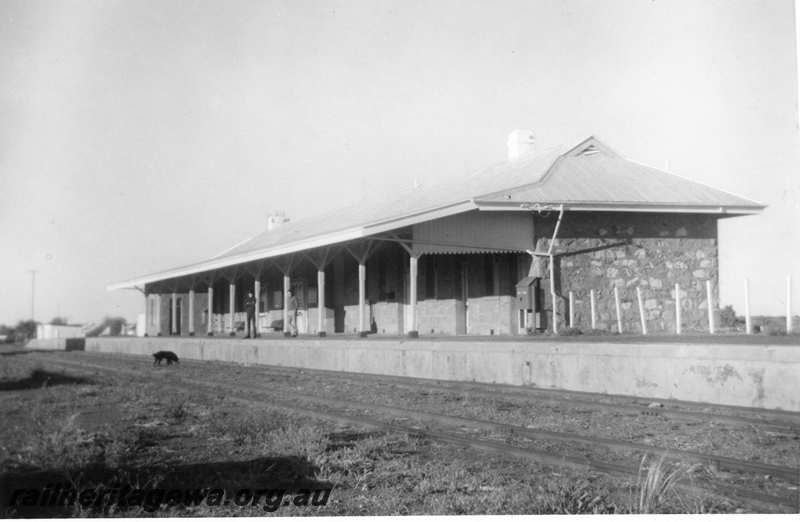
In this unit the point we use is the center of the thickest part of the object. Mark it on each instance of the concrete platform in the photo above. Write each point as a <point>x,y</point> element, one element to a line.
<point>756,375</point>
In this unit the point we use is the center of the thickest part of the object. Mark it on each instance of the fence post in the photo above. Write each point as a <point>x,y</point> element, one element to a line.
<point>677,308</point>
<point>710,307</point>
<point>619,315</point>
<point>641,310</point>
<point>748,326</point>
<point>571,309</point>
<point>592,303</point>
<point>788,304</point>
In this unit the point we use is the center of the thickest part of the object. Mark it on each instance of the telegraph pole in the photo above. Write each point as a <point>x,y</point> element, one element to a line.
<point>33,293</point>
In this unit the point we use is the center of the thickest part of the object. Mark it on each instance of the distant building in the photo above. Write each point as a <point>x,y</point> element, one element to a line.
<point>500,252</point>
<point>59,331</point>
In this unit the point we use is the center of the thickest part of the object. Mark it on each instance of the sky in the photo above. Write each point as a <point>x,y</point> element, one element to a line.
<point>139,135</point>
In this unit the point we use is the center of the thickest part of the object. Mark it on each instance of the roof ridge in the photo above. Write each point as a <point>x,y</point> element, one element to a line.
<point>542,180</point>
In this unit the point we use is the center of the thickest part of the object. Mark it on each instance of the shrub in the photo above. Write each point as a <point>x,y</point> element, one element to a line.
<point>773,329</point>
<point>571,331</point>
<point>727,317</point>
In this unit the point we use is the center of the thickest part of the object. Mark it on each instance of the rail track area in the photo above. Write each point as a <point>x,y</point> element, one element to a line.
<point>749,458</point>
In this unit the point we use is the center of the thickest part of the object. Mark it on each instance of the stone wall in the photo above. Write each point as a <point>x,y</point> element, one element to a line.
<point>601,251</point>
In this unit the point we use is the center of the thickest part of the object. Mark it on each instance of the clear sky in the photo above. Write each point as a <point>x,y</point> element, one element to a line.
<point>138,135</point>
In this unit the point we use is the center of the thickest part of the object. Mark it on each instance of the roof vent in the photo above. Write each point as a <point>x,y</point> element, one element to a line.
<point>276,219</point>
<point>520,144</point>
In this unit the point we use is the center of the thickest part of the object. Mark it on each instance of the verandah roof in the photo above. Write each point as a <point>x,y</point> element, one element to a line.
<point>587,177</point>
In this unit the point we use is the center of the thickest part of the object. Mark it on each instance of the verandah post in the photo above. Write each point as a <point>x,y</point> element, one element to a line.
<point>287,285</point>
<point>257,295</point>
<point>321,303</point>
<point>231,306</point>
<point>362,290</point>
<point>173,315</point>
<point>412,296</point>
<point>191,311</point>
<point>210,314</point>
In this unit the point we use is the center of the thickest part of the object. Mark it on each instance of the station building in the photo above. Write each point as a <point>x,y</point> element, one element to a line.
<point>575,236</point>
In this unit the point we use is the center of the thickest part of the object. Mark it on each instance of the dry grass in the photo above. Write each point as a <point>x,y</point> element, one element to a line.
<point>656,481</point>
<point>210,440</point>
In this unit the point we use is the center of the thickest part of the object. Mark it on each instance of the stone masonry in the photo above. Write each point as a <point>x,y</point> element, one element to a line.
<point>647,250</point>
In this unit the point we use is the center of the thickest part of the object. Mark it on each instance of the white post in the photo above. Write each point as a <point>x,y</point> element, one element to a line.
<point>362,290</point>
<point>593,305</point>
<point>210,314</point>
<point>321,303</point>
<point>677,308</point>
<point>148,319</point>
<point>789,303</point>
<point>571,310</point>
<point>710,307</point>
<point>641,311</point>
<point>257,295</point>
<point>412,297</point>
<point>232,305</point>
<point>287,284</point>
<point>619,314</point>
<point>158,314</point>
<point>748,326</point>
<point>191,312</point>
<point>553,294</point>
<point>173,313</point>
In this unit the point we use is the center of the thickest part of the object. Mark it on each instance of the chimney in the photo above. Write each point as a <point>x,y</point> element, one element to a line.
<point>520,144</point>
<point>276,219</point>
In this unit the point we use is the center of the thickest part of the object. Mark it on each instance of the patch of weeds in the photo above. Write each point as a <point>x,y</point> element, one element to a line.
<point>597,332</point>
<point>656,483</point>
<point>55,442</point>
<point>176,412</point>
<point>573,498</point>
<point>569,332</point>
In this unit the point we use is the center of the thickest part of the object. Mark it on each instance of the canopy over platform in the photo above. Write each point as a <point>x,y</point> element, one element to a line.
<point>587,177</point>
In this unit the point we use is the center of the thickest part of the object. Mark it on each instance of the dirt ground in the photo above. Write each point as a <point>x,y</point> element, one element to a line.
<point>140,450</point>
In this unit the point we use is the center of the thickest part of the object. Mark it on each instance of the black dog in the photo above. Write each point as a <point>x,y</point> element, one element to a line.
<point>170,357</point>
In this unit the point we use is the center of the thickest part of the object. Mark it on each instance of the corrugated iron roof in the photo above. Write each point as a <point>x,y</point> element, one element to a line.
<point>608,179</point>
<point>589,176</point>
